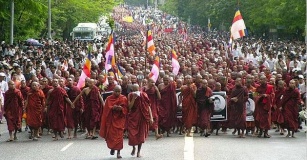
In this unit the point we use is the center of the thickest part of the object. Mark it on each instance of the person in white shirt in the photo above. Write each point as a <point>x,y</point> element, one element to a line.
<point>20,76</point>
<point>3,83</point>
<point>292,63</point>
<point>271,61</point>
<point>280,63</point>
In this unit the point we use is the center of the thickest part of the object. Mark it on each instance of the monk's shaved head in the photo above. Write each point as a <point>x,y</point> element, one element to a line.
<point>117,90</point>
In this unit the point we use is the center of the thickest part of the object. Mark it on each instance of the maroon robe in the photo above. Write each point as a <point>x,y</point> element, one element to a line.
<point>189,106</point>
<point>113,121</point>
<point>45,114</point>
<point>73,116</point>
<point>35,107</point>
<point>205,108</point>
<point>290,104</point>
<point>238,109</point>
<point>56,111</point>
<point>110,87</point>
<point>168,107</point>
<point>277,116</point>
<point>92,108</point>
<point>138,118</point>
<point>263,106</point>
<point>24,91</point>
<point>13,106</point>
<point>154,102</point>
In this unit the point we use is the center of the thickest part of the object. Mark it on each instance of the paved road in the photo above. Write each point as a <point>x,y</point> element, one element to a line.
<point>176,147</point>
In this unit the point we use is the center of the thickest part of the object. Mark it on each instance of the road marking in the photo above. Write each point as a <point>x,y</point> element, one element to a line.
<point>189,148</point>
<point>64,148</point>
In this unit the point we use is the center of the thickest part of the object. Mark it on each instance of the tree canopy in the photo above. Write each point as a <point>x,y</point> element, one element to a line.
<point>286,16</point>
<point>31,16</point>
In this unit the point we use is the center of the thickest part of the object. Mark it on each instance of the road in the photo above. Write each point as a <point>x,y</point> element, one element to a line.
<point>176,147</point>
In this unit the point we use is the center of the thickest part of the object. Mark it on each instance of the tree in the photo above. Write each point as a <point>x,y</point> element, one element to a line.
<point>31,16</point>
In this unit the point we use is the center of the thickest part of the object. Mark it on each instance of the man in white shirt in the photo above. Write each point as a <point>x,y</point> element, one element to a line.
<point>271,61</point>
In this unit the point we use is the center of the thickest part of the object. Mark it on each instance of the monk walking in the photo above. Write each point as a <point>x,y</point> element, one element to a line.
<point>277,116</point>
<point>73,116</point>
<point>168,105</point>
<point>238,99</point>
<point>138,118</point>
<point>13,106</point>
<point>56,106</point>
<point>205,107</point>
<point>263,102</point>
<point>113,120</point>
<point>93,102</point>
<point>35,104</point>
<point>154,96</point>
<point>290,107</point>
<point>189,106</point>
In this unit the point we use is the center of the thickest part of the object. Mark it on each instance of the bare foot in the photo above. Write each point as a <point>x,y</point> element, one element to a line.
<point>159,136</point>
<point>241,136</point>
<point>118,156</point>
<point>112,152</point>
<point>138,155</point>
<point>189,135</point>
<point>133,151</point>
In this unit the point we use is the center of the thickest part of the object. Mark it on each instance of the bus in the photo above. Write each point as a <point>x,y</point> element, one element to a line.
<point>85,32</point>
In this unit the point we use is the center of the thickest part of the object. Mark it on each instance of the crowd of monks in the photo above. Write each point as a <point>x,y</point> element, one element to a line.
<point>45,93</point>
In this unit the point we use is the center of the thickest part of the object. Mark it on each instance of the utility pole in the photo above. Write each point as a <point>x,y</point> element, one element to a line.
<point>12,23</point>
<point>306,52</point>
<point>49,19</point>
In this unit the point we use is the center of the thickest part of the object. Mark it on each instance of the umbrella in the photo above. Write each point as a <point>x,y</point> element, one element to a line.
<point>33,42</point>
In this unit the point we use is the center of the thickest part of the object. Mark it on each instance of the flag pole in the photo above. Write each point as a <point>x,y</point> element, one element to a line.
<point>146,48</point>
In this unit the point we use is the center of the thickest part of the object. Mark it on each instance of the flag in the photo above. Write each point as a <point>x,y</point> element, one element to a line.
<point>150,44</point>
<point>119,71</point>
<point>128,19</point>
<point>86,72</point>
<point>238,28</point>
<point>154,73</point>
<point>110,56</point>
<point>175,63</point>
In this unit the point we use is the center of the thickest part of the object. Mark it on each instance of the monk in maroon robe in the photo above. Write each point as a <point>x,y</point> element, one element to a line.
<point>24,89</point>
<point>73,116</point>
<point>92,109</point>
<point>113,121</point>
<point>238,99</point>
<point>45,88</point>
<point>277,116</point>
<point>263,101</point>
<point>138,118</point>
<point>13,106</point>
<point>205,107</point>
<point>168,105</point>
<point>35,105</point>
<point>111,84</point>
<point>290,107</point>
<point>154,96</point>
<point>56,108</point>
<point>189,106</point>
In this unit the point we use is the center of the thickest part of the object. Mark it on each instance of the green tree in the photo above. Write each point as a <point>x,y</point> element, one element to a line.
<point>31,16</point>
